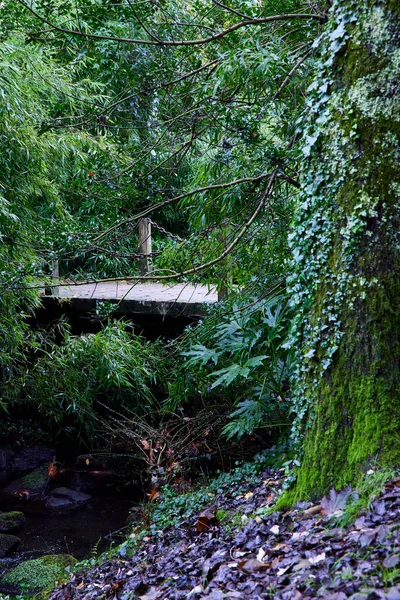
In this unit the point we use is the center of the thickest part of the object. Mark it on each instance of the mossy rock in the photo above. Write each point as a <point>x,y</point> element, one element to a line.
<point>8,543</point>
<point>11,520</point>
<point>32,484</point>
<point>39,574</point>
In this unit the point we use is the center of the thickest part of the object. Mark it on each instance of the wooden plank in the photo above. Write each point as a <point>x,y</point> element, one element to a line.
<point>140,298</point>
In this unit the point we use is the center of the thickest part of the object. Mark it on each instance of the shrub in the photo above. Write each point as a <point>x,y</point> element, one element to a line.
<point>238,353</point>
<point>74,382</point>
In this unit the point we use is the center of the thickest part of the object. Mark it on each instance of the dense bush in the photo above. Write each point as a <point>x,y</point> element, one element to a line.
<point>73,383</point>
<point>238,355</point>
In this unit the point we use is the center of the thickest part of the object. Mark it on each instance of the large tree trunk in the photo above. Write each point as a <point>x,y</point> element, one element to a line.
<point>346,248</point>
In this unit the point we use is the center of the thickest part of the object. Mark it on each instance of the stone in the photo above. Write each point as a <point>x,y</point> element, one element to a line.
<point>6,456</point>
<point>65,499</point>
<point>91,472</point>
<point>90,462</point>
<point>29,459</point>
<point>29,486</point>
<point>11,520</point>
<point>39,574</point>
<point>8,543</point>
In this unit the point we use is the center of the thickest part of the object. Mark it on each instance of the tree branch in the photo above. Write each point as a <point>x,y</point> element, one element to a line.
<point>162,85</point>
<point>145,212</point>
<point>224,254</point>
<point>288,76</point>
<point>211,38</point>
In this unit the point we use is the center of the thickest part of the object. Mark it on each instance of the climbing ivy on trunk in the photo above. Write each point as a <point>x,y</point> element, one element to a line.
<point>346,254</point>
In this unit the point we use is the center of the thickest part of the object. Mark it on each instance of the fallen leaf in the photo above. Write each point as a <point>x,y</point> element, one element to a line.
<point>261,553</point>
<point>248,495</point>
<point>367,537</point>
<point>205,520</point>
<point>283,570</point>
<point>314,560</point>
<point>391,561</point>
<point>52,470</point>
<point>380,507</point>
<point>301,565</point>
<point>335,501</point>
<point>253,565</point>
<point>275,529</point>
<point>393,593</point>
<point>116,586</point>
<point>196,590</point>
<point>279,547</point>
<point>152,594</point>
<point>313,510</point>
<point>153,495</point>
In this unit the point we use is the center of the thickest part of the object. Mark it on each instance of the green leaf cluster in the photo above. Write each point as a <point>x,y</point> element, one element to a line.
<point>238,355</point>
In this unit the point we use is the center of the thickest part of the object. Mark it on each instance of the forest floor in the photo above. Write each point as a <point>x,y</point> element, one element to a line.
<point>238,549</point>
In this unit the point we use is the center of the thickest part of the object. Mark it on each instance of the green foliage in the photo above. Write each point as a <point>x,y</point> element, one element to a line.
<point>174,507</point>
<point>238,353</point>
<point>74,382</point>
<point>40,573</point>
<point>368,489</point>
<point>107,129</point>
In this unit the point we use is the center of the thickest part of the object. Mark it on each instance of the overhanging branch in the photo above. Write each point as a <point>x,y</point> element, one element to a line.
<point>156,42</point>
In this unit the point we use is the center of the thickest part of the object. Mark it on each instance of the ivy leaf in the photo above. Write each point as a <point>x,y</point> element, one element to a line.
<point>338,33</point>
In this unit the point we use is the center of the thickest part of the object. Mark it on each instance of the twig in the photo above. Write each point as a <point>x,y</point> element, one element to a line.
<point>211,38</point>
<point>147,211</point>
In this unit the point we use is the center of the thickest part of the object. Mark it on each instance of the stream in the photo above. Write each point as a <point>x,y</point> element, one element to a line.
<point>82,532</point>
<point>83,529</point>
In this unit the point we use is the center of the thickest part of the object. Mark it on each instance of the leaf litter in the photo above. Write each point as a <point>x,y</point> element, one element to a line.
<point>290,555</point>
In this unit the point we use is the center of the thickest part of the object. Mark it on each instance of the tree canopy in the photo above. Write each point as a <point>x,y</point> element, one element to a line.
<point>262,141</point>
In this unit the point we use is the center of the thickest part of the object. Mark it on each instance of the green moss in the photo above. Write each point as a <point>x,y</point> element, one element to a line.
<point>35,482</point>
<point>347,283</point>
<point>36,478</point>
<point>11,520</point>
<point>41,573</point>
<point>221,515</point>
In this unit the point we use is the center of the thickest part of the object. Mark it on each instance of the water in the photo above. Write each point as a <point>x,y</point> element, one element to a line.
<point>83,532</point>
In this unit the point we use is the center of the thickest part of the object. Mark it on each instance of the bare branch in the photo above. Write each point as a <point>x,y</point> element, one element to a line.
<point>232,10</point>
<point>288,76</point>
<point>149,33</point>
<point>162,85</point>
<point>145,212</point>
<point>211,38</point>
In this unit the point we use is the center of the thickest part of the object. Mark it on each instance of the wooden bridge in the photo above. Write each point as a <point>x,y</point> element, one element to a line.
<point>180,299</point>
<point>139,297</point>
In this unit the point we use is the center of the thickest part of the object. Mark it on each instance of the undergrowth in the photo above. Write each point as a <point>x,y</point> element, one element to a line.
<point>73,382</point>
<point>173,508</point>
<point>367,490</point>
<point>238,354</point>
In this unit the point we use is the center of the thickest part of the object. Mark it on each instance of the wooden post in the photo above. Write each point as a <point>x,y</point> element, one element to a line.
<point>55,274</point>
<point>145,245</point>
<point>53,267</point>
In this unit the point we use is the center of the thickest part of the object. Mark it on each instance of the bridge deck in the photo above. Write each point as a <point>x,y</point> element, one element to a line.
<point>180,299</point>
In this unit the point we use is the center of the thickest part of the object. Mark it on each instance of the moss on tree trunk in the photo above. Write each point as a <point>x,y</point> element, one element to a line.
<point>346,248</point>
